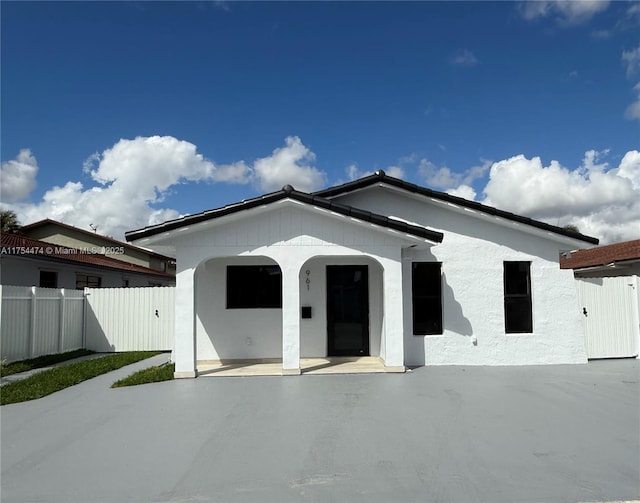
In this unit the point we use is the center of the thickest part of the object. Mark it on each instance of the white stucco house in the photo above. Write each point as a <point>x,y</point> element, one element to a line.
<point>378,267</point>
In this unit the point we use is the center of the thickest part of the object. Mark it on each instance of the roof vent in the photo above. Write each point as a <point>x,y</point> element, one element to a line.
<point>288,189</point>
<point>380,173</point>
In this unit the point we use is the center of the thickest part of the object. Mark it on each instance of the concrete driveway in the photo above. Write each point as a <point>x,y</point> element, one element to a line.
<point>463,434</point>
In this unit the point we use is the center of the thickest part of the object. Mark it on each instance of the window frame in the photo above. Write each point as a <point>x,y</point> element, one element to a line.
<point>87,282</point>
<point>436,298</point>
<point>522,326</point>
<point>265,294</point>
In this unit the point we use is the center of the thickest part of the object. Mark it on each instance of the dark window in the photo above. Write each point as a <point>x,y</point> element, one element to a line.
<point>517,298</point>
<point>86,281</point>
<point>426,281</point>
<point>255,286</point>
<point>48,279</point>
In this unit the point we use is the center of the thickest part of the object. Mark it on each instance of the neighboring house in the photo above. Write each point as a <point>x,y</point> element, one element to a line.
<point>52,231</point>
<point>618,259</point>
<point>377,266</point>
<point>29,262</point>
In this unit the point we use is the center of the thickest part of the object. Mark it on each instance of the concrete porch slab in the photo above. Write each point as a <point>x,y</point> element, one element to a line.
<point>273,367</point>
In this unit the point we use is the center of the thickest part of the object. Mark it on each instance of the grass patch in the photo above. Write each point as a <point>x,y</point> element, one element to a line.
<point>41,361</point>
<point>49,381</point>
<point>152,374</point>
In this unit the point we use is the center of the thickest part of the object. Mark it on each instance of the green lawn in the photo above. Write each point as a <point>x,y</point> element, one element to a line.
<point>41,361</point>
<point>49,381</point>
<point>152,374</point>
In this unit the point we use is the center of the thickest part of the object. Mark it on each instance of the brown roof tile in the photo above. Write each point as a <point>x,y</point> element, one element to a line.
<point>601,255</point>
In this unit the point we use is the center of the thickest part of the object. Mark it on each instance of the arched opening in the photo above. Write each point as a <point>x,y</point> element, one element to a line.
<point>328,304</point>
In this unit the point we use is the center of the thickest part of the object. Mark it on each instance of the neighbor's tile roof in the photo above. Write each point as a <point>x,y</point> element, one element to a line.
<point>289,192</point>
<point>381,177</point>
<point>26,229</point>
<point>21,246</point>
<point>601,255</point>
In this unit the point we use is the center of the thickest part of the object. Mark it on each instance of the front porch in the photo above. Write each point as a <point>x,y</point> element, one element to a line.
<point>311,366</point>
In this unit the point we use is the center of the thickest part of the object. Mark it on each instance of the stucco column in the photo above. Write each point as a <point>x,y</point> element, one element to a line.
<point>290,319</point>
<point>393,315</point>
<point>184,348</point>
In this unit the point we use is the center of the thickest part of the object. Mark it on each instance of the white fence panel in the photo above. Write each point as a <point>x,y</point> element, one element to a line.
<point>611,306</point>
<point>129,319</point>
<point>38,321</point>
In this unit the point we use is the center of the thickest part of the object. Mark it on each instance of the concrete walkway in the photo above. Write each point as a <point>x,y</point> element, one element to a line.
<point>23,375</point>
<point>436,434</point>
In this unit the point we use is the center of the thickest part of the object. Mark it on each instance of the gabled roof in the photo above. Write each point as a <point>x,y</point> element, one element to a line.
<point>21,246</point>
<point>380,177</point>
<point>47,221</point>
<point>288,192</point>
<point>609,255</point>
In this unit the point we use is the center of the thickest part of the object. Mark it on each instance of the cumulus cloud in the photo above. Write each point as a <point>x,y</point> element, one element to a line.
<point>131,180</point>
<point>463,57</point>
<point>18,177</point>
<point>602,201</point>
<point>289,165</point>
<point>565,12</point>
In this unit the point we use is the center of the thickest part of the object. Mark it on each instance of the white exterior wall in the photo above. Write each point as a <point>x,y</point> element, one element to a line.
<point>472,255</point>
<point>297,238</point>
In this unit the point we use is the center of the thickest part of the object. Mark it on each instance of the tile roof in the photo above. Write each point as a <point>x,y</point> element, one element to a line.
<point>21,246</point>
<point>380,177</point>
<point>601,255</point>
<point>288,192</point>
<point>47,221</point>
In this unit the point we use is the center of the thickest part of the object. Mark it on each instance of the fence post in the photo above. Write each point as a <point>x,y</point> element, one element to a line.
<point>61,327</point>
<point>32,328</point>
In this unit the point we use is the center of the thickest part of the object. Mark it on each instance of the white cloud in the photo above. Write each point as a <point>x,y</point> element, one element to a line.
<point>565,12</point>
<point>18,177</point>
<point>289,165</point>
<point>132,178</point>
<point>353,172</point>
<point>463,191</point>
<point>632,61</point>
<point>601,201</point>
<point>444,178</point>
<point>633,111</point>
<point>463,57</point>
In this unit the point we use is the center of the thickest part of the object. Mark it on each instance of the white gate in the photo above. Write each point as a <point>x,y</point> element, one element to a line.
<point>129,319</point>
<point>610,308</point>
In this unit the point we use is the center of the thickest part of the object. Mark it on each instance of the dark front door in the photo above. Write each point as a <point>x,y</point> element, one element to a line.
<point>348,310</point>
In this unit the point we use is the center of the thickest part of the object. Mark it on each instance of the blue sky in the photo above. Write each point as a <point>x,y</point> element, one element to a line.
<point>129,113</point>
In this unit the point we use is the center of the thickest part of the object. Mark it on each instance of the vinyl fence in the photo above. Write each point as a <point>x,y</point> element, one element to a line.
<point>38,321</point>
<point>611,308</point>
